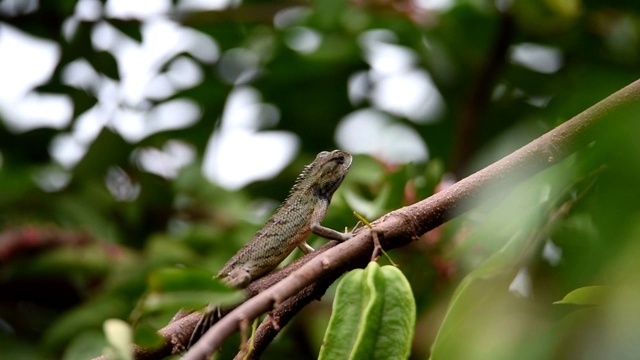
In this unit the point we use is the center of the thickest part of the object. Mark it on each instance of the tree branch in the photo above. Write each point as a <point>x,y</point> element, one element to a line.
<point>315,273</point>
<point>399,227</point>
<point>19,241</point>
<point>177,333</point>
<point>469,119</point>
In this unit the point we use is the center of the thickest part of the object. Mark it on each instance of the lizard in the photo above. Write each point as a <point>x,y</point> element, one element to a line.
<point>296,218</point>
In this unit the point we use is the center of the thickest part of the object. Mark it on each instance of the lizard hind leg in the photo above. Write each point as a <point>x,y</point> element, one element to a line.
<point>306,248</point>
<point>210,316</point>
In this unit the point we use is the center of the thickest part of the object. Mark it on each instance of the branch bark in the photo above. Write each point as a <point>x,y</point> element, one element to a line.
<point>399,227</point>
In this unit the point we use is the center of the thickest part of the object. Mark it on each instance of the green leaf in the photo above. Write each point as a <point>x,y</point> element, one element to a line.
<point>373,317</point>
<point>475,292</point>
<point>129,27</point>
<point>189,299</point>
<point>370,209</point>
<point>86,345</point>
<point>351,295</point>
<point>106,63</point>
<point>176,279</point>
<point>588,295</point>
<point>87,316</point>
<point>173,289</point>
<point>120,337</point>
<point>147,336</point>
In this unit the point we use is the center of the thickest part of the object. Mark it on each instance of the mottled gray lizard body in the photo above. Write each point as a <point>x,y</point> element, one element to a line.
<point>296,218</point>
<point>299,215</point>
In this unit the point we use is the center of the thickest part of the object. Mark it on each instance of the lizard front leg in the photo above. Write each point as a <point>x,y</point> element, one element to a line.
<point>314,223</point>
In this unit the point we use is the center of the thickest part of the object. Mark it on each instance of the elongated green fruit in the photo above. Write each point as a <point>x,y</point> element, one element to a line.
<point>373,317</point>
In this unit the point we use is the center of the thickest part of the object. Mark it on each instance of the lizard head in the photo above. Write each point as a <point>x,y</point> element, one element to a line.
<point>323,176</point>
<point>330,168</point>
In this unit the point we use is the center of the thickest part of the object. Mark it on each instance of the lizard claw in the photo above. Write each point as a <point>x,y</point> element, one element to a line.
<point>358,224</point>
<point>346,236</point>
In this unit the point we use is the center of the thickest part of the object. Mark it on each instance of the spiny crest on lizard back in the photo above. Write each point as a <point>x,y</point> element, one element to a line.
<point>318,172</point>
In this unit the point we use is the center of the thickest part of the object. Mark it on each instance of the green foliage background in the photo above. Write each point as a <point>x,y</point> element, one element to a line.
<point>74,257</point>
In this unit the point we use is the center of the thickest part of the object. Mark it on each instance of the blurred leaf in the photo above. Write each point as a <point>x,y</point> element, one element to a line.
<point>547,17</point>
<point>120,338</point>
<point>17,184</point>
<point>12,347</point>
<point>147,336</point>
<point>173,289</point>
<point>76,262</point>
<point>486,288</point>
<point>173,279</point>
<point>87,345</point>
<point>107,150</point>
<point>432,176</point>
<point>474,294</point>
<point>588,295</point>
<point>90,315</point>
<point>368,209</point>
<point>165,250</point>
<point>106,63</point>
<point>129,27</point>
<point>174,301</point>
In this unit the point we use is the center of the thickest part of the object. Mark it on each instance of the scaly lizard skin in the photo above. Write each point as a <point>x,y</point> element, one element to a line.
<point>297,217</point>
